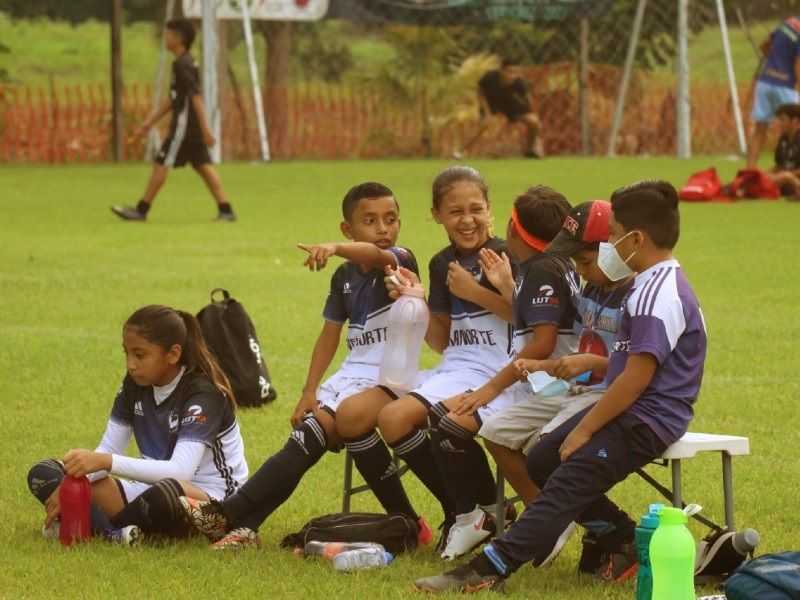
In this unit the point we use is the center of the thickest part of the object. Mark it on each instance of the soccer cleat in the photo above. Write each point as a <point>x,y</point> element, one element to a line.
<point>467,533</point>
<point>618,566</point>
<point>206,517</point>
<point>124,536</point>
<point>424,532</point>
<point>559,545</point>
<point>238,539</point>
<point>52,531</point>
<point>222,217</point>
<point>128,213</point>
<point>464,579</point>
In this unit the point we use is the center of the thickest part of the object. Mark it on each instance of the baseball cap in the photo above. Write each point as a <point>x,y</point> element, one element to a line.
<point>585,226</point>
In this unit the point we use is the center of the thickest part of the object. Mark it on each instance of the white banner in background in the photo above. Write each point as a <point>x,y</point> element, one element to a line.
<point>267,10</point>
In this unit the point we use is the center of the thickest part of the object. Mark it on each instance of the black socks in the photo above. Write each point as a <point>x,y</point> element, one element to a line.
<point>277,478</point>
<point>156,511</point>
<point>467,470</point>
<point>415,449</point>
<point>380,472</point>
<point>225,208</point>
<point>142,207</point>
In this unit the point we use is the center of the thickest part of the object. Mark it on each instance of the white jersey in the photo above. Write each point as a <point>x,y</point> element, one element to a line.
<point>361,299</point>
<point>479,339</point>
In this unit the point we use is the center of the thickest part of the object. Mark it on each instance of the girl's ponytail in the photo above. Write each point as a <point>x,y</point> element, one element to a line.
<point>196,355</point>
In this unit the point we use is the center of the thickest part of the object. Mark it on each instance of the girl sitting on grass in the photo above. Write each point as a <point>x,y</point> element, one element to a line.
<point>178,404</point>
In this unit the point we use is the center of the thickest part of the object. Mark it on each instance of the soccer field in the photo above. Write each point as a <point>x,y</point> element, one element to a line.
<point>71,273</point>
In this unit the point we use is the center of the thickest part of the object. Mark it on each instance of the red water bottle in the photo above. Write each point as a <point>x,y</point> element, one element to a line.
<point>75,499</point>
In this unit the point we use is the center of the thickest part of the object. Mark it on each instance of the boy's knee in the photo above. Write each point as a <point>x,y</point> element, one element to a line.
<point>44,478</point>
<point>352,419</point>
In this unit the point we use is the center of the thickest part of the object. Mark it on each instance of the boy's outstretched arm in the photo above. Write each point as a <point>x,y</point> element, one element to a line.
<point>324,351</point>
<point>621,394</point>
<point>542,346</point>
<point>202,120</point>
<point>361,253</point>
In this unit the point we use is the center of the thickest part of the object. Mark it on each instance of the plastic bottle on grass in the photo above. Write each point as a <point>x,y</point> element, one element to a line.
<point>408,323</point>
<point>364,558</point>
<point>672,552</point>
<point>75,499</point>
<point>329,550</point>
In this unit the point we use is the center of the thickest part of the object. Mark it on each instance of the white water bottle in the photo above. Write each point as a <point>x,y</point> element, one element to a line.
<point>363,558</point>
<point>408,323</point>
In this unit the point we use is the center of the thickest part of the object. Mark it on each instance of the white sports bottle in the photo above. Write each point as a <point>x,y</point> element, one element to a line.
<point>364,558</point>
<point>408,323</point>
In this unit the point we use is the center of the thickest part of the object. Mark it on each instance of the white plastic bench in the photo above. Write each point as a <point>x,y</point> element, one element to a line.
<point>689,446</point>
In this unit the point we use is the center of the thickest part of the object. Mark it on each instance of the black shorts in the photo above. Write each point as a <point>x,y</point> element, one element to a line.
<point>188,151</point>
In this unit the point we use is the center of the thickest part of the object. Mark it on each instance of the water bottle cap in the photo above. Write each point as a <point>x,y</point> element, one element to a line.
<point>649,521</point>
<point>673,516</point>
<point>655,509</point>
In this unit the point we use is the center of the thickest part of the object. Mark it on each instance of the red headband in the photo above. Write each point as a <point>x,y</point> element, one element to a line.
<point>531,240</point>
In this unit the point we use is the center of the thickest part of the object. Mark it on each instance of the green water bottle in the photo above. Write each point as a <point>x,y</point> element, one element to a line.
<point>672,551</point>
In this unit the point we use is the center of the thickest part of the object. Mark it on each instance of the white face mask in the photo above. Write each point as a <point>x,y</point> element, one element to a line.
<point>611,263</point>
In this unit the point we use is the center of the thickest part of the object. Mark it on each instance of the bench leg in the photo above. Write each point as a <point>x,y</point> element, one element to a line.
<point>727,488</point>
<point>500,506</point>
<point>348,482</point>
<point>677,494</point>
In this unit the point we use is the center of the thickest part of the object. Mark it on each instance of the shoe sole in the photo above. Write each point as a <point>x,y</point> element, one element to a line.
<point>135,536</point>
<point>126,218</point>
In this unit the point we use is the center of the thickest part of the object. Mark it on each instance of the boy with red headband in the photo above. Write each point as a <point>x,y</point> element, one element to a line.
<point>543,317</point>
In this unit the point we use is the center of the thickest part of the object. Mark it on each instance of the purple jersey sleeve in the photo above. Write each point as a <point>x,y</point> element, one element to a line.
<point>655,330</point>
<point>543,299</point>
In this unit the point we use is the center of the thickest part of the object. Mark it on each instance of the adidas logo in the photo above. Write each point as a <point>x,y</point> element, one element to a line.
<point>390,470</point>
<point>447,446</point>
<point>300,437</point>
<point>137,409</point>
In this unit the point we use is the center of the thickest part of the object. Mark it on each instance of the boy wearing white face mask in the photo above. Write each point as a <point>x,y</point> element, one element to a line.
<point>654,375</point>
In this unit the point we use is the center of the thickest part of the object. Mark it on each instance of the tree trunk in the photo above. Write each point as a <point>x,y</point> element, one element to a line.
<point>278,35</point>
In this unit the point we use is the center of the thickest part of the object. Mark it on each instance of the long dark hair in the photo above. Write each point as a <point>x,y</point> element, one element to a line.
<point>166,327</point>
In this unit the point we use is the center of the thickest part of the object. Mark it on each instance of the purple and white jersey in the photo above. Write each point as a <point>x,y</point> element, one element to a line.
<point>662,317</point>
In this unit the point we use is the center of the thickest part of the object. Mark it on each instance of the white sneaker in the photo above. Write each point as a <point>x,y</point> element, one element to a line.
<point>560,543</point>
<point>469,531</point>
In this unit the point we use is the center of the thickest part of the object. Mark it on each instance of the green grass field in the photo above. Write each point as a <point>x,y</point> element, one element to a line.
<point>70,275</point>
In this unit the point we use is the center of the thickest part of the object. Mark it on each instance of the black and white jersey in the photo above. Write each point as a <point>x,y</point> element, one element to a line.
<point>479,339</point>
<point>361,299</point>
<point>184,85</point>
<point>195,411</point>
<point>546,293</point>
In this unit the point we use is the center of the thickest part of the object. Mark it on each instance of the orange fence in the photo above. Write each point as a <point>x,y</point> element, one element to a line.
<point>71,123</point>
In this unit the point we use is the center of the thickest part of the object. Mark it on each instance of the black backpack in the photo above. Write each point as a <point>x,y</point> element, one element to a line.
<point>397,533</point>
<point>231,337</point>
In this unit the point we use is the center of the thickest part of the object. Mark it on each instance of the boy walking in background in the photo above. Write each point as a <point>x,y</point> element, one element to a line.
<point>787,152</point>
<point>189,132</point>
<point>654,375</point>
